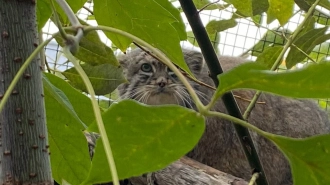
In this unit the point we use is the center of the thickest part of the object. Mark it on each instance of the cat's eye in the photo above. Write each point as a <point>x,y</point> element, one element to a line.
<point>146,67</point>
<point>170,72</point>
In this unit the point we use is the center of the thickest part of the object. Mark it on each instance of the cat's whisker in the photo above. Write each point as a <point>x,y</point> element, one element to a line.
<point>145,97</point>
<point>202,95</point>
<point>137,92</point>
<point>185,98</point>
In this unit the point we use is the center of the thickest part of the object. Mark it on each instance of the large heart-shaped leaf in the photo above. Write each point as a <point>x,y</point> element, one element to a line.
<point>156,22</point>
<point>70,156</point>
<point>145,138</point>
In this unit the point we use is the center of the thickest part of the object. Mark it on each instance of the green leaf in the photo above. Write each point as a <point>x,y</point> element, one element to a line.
<point>44,10</point>
<point>191,38</point>
<point>156,22</point>
<point>105,78</point>
<point>309,82</point>
<point>217,26</point>
<point>259,6</point>
<point>309,158</point>
<point>269,56</point>
<point>282,10</point>
<point>70,157</point>
<point>306,43</point>
<point>202,3</point>
<point>81,104</point>
<point>243,6</point>
<point>145,143</point>
<point>92,50</point>
<point>43,13</point>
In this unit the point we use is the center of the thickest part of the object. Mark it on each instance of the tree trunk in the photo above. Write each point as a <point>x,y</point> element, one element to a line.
<point>24,145</point>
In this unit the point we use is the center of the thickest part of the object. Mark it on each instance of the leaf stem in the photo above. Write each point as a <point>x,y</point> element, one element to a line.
<point>278,60</point>
<point>73,20</point>
<point>158,54</point>
<point>239,121</point>
<point>97,113</point>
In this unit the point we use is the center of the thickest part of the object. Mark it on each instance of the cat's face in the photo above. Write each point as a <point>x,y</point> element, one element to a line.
<point>151,82</point>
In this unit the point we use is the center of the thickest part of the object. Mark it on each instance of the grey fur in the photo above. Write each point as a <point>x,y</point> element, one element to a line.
<point>219,146</point>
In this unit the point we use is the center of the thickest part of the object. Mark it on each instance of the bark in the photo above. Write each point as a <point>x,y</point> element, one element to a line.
<point>24,145</point>
<point>187,171</point>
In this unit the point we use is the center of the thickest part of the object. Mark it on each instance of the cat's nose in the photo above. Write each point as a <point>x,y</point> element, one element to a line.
<point>161,82</point>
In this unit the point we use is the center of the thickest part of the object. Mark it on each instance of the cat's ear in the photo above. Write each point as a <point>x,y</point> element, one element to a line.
<point>194,60</point>
<point>123,61</point>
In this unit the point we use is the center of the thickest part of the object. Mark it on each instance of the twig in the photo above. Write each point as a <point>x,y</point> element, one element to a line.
<point>254,179</point>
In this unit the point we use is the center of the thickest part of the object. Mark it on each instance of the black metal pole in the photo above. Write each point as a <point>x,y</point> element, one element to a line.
<point>215,69</point>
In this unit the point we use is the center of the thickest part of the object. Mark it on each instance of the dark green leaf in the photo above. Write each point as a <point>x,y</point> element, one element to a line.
<point>269,56</point>
<point>70,157</point>
<point>306,43</point>
<point>156,22</point>
<point>92,50</point>
<point>309,82</point>
<point>259,6</point>
<point>309,158</point>
<point>105,78</point>
<point>282,10</point>
<point>323,3</point>
<point>302,5</point>
<point>217,26</point>
<point>81,104</point>
<point>145,143</point>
